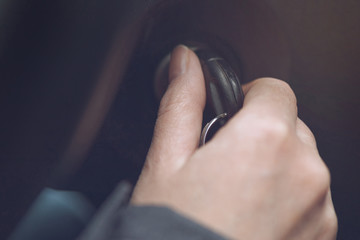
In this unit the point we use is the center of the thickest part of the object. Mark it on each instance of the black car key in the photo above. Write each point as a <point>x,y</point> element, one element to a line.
<point>224,95</point>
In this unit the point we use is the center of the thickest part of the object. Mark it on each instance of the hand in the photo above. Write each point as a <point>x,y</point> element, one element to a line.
<point>260,177</point>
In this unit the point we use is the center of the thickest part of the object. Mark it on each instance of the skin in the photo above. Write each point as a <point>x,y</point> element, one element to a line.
<point>260,177</point>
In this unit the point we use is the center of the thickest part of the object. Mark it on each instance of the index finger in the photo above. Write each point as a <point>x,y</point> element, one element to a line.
<point>269,98</point>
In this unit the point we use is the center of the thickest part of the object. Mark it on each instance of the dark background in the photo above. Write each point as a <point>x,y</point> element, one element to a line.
<point>76,100</point>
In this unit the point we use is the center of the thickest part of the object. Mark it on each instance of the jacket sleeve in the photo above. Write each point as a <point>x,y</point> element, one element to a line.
<point>117,221</point>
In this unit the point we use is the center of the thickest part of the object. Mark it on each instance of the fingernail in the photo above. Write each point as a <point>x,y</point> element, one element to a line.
<point>179,62</point>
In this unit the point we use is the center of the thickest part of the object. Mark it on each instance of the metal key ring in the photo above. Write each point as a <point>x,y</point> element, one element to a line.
<point>207,127</point>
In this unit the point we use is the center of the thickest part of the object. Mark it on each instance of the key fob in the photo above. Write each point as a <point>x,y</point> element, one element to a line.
<point>223,88</point>
<point>224,95</point>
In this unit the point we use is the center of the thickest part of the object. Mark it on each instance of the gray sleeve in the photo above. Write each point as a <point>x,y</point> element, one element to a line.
<point>116,221</point>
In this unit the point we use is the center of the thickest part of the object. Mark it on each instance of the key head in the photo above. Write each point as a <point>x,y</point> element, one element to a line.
<point>223,88</point>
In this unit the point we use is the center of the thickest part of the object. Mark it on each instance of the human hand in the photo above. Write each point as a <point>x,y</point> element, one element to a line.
<point>260,177</point>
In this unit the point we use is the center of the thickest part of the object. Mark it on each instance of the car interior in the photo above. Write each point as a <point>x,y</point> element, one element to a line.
<point>78,104</point>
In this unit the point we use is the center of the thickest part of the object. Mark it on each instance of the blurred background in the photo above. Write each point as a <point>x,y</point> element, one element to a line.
<point>76,95</point>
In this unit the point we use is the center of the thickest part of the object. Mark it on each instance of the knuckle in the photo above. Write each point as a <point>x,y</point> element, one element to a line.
<point>322,181</point>
<point>304,133</point>
<point>272,131</point>
<point>317,178</point>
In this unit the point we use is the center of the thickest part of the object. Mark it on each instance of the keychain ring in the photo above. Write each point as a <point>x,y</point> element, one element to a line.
<point>207,127</point>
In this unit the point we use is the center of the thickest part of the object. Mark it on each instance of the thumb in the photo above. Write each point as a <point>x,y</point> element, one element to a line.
<point>178,126</point>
